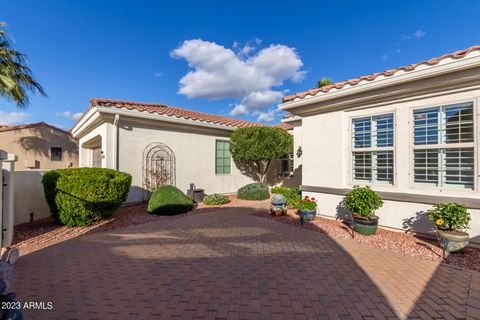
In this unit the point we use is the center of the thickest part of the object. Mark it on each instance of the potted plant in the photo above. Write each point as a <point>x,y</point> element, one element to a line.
<point>278,206</point>
<point>363,202</point>
<point>451,220</point>
<point>307,208</point>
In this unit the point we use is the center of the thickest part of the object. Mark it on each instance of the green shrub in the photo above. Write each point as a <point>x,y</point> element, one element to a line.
<point>168,200</point>
<point>362,201</point>
<point>215,199</point>
<point>449,216</point>
<point>254,191</point>
<point>281,190</point>
<point>82,196</point>
<point>292,195</point>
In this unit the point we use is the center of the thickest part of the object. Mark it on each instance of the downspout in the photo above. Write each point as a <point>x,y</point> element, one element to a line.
<point>115,141</point>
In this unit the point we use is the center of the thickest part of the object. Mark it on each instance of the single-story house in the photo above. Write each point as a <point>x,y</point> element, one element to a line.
<point>160,145</point>
<point>39,146</point>
<point>35,148</point>
<point>412,133</point>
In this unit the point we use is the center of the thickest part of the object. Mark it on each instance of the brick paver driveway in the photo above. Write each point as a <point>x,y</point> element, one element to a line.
<point>233,264</point>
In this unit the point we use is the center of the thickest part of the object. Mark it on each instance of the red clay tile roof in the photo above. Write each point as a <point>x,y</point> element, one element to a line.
<point>339,85</point>
<point>171,111</point>
<point>4,128</point>
<point>284,126</point>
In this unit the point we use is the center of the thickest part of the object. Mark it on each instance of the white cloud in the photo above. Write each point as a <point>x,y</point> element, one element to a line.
<point>256,101</point>
<point>10,118</point>
<point>268,116</point>
<point>242,73</point>
<point>419,34</point>
<point>385,58</point>
<point>56,124</point>
<point>70,115</point>
<point>158,74</point>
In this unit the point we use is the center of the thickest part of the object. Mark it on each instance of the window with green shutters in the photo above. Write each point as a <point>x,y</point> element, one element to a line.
<point>222,157</point>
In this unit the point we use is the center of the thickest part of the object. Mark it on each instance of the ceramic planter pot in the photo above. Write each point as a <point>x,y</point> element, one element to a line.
<point>307,215</point>
<point>452,241</point>
<point>366,226</point>
<point>278,210</point>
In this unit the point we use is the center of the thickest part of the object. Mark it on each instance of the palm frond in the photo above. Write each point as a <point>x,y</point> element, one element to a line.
<point>16,79</point>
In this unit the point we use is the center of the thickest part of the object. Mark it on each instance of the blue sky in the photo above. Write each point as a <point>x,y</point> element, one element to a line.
<point>242,56</point>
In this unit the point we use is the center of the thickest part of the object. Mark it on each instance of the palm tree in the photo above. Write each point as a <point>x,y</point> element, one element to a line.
<point>15,77</point>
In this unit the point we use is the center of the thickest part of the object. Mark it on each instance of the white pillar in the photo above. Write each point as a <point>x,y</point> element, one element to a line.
<point>8,170</point>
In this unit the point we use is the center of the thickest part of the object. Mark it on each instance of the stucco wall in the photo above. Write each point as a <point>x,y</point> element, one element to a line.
<point>194,149</point>
<point>327,152</point>
<point>33,144</point>
<point>194,152</point>
<point>29,196</point>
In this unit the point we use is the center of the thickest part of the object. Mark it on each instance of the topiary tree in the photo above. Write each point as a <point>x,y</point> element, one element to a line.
<point>256,147</point>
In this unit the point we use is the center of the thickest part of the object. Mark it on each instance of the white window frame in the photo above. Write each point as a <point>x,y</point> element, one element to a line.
<point>373,180</point>
<point>474,145</point>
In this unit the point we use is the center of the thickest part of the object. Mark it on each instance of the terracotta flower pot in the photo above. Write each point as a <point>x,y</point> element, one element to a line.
<point>452,241</point>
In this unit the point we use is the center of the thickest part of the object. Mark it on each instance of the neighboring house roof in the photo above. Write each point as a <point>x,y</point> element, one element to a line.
<point>352,82</point>
<point>169,111</point>
<point>173,112</point>
<point>4,128</point>
<point>284,126</point>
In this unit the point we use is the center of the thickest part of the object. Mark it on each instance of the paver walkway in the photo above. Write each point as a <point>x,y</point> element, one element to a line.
<point>233,264</point>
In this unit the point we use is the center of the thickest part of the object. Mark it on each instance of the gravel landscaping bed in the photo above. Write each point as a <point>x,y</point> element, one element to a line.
<point>401,242</point>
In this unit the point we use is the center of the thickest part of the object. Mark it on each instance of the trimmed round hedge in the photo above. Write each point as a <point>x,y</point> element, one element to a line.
<point>82,196</point>
<point>168,200</point>
<point>253,191</point>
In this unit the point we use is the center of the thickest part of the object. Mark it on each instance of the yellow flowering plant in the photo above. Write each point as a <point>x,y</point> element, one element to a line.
<point>449,216</point>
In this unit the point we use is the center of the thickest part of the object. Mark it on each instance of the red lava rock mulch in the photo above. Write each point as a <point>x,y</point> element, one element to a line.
<point>401,242</point>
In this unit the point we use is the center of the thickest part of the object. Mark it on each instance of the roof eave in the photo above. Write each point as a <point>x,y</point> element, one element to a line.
<point>436,70</point>
<point>78,128</point>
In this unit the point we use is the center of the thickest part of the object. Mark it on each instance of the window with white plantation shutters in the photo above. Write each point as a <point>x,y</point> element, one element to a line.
<point>373,140</point>
<point>443,146</point>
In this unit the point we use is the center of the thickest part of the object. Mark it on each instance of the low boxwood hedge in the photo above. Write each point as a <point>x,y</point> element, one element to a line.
<point>168,200</point>
<point>253,191</point>
<point>215,199</point>
<point>82,196</point>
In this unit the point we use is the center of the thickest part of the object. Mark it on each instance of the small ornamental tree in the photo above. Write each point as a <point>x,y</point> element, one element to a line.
<point>324,82</point>
<point>256,147</point>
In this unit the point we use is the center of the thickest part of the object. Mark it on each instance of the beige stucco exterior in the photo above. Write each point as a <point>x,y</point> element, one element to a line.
<point>326,141</point>
<point>29,198</point>
<point>33,144</point>
<point>124,138</point>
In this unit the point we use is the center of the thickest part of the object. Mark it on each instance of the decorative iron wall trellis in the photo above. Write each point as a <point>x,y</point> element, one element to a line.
<point>158,168</point>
